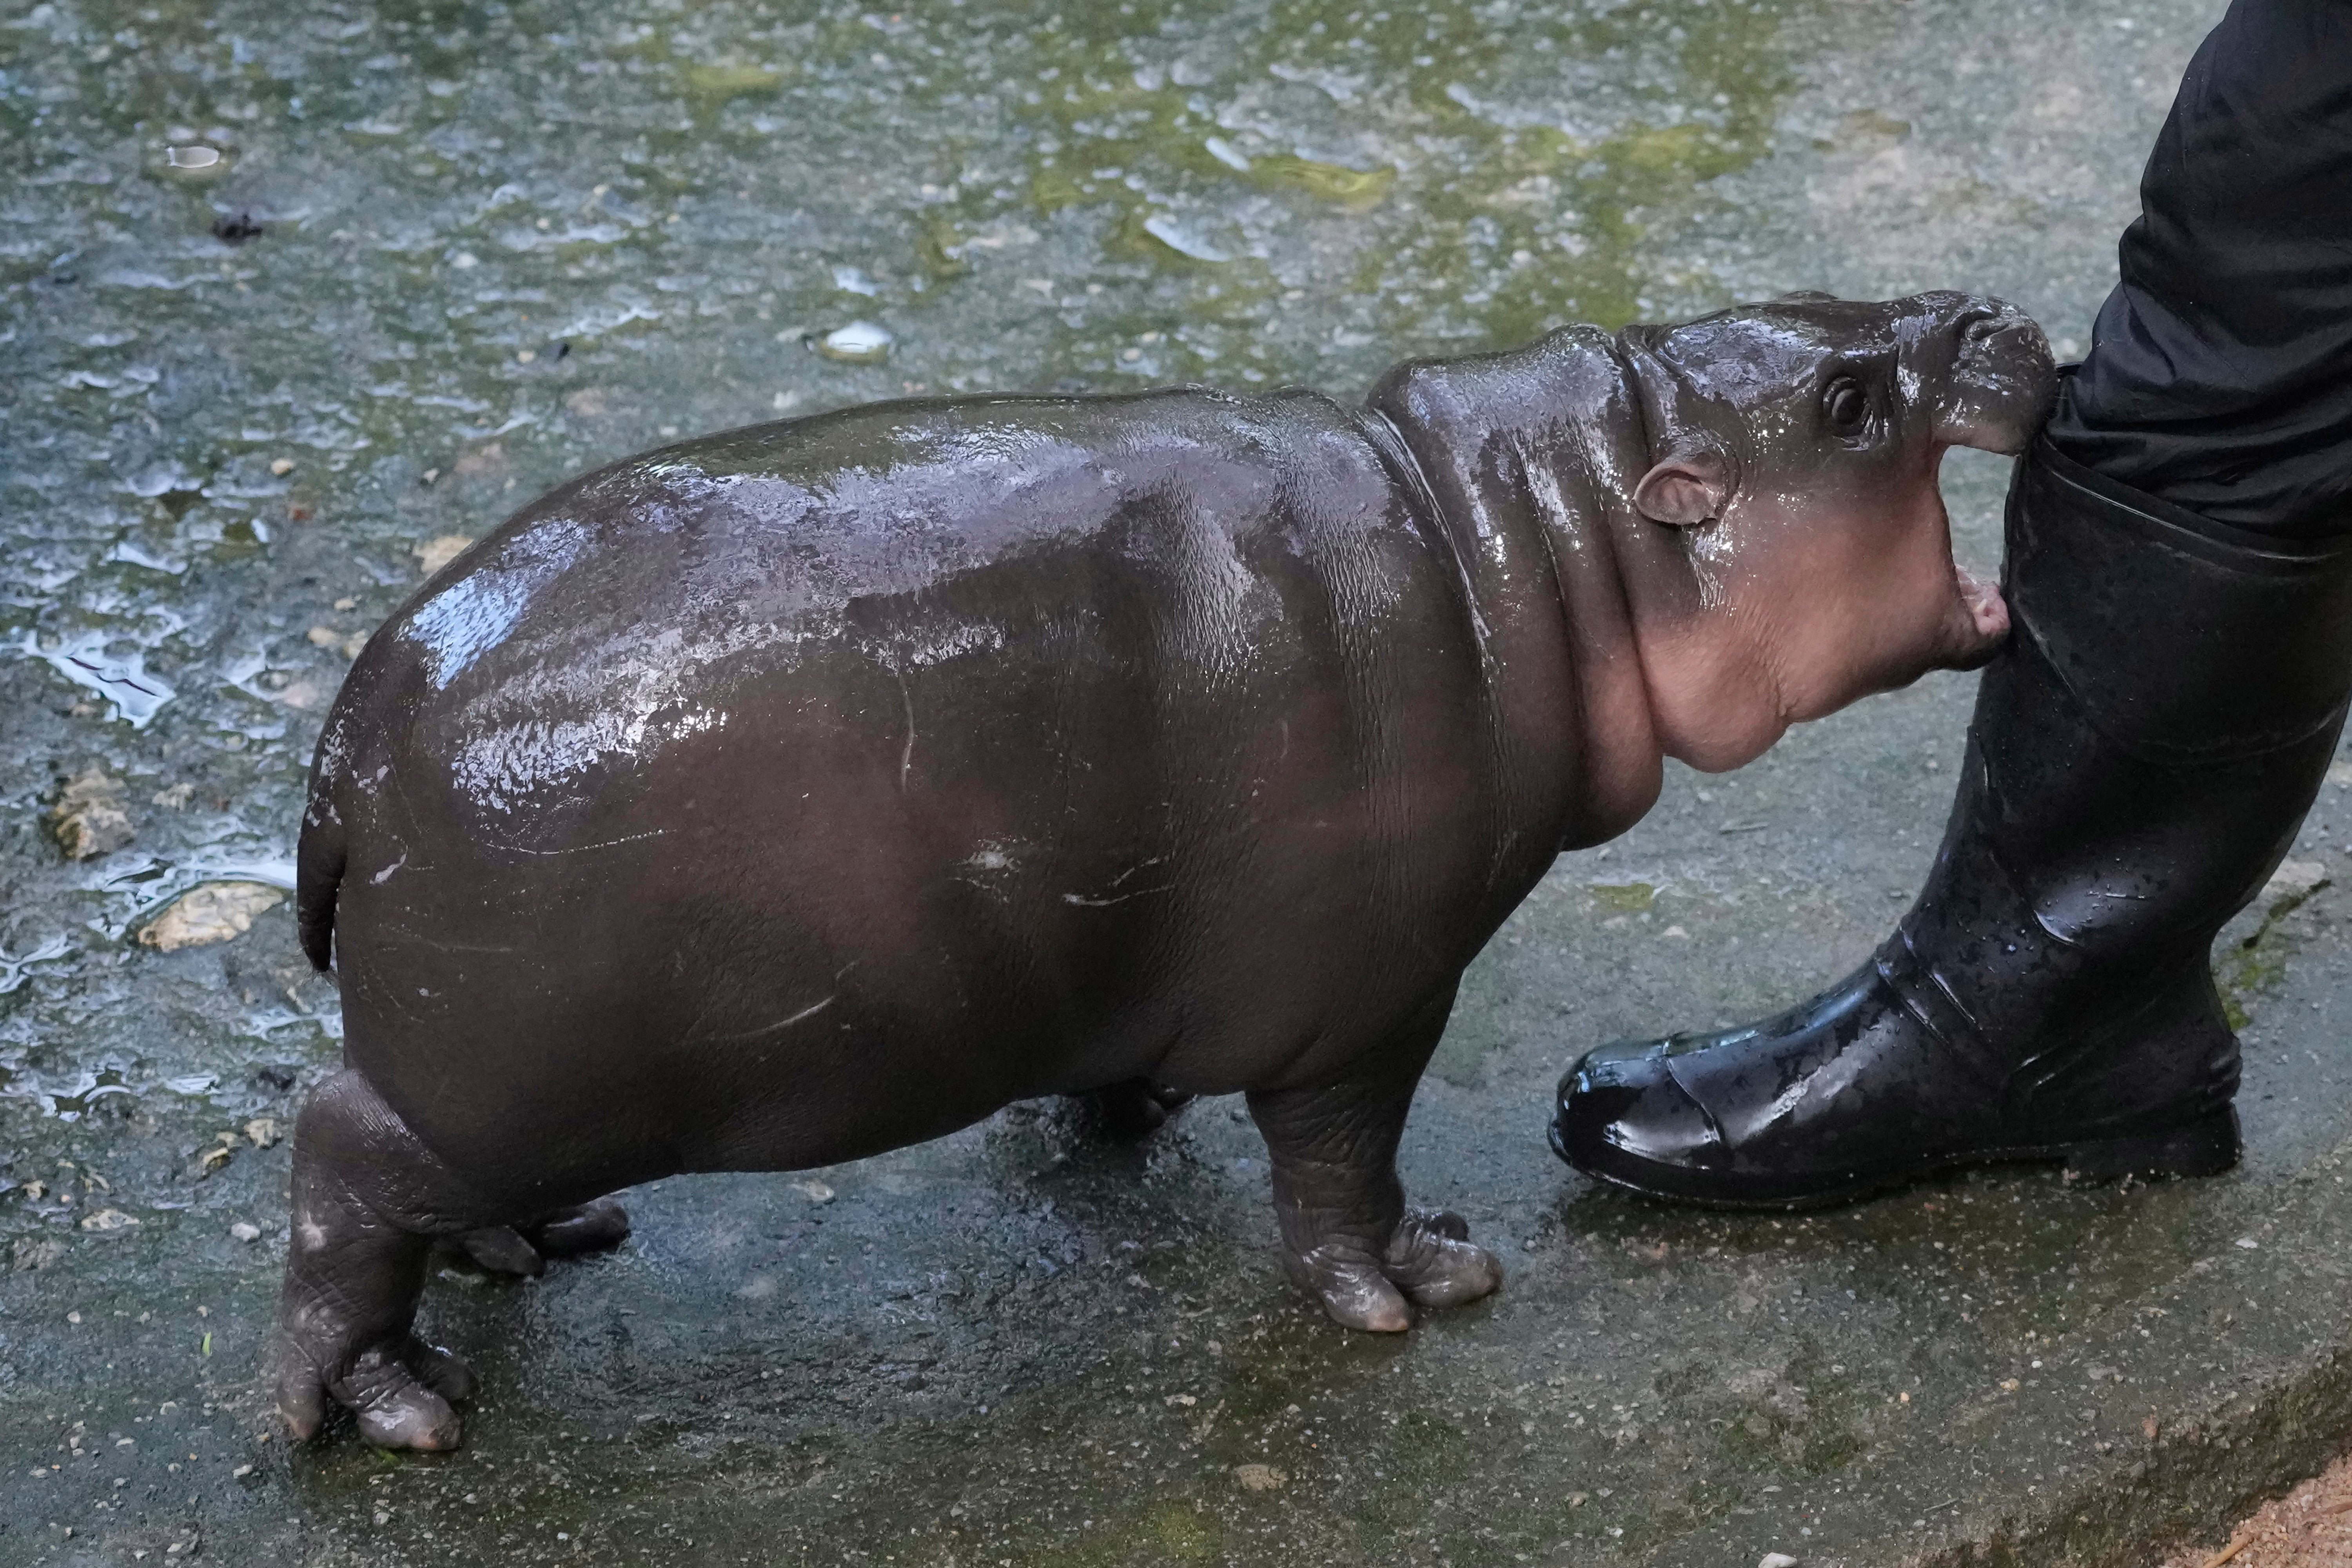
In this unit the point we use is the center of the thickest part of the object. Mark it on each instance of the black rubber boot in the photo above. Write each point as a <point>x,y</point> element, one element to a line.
<point>2140,757</point>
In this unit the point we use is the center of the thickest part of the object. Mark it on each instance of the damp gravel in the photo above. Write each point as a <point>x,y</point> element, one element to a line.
<point>296,301</point>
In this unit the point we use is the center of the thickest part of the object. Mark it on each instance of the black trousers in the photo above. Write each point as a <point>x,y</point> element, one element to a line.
<point>2219,375</point>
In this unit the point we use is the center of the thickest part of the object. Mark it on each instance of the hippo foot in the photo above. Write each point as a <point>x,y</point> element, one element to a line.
<point>1429,1261</point>
<point>399,1397</point>
<point>402,1397</point>
<point>524,1251</point>
<point>1133,1110</point>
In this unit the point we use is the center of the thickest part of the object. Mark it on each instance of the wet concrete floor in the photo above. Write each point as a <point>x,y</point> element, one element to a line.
<point>288,295</point>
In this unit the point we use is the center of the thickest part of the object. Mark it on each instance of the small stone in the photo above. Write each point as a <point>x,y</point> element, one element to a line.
<point>74,1318</point>
<point>1675,932</point>
<point>89,817</point>
<point>347,603</point>
<point>2009,1385</point>
<point>524,356</point>
<point>1776,1560</point>
<point>490,458</point>
<point>216,912</point>
<point>323,636</point>
<point>34,1255</point>
<point>589,402</point>
<point>263,1131</point>
<point>107,1219</point>
<point>435,553</point>
<point>246,1230</point>
<point>282,466</point>
<point>2249,1243</point>
<point>815,1191</point>
<point>860,343</point>
<point>2294,879</point>
<point>240,1472</point>
<point>175,798</point>
<point>1261,1478</point>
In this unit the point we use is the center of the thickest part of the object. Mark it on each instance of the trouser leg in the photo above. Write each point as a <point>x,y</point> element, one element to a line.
<point>2220,376</point>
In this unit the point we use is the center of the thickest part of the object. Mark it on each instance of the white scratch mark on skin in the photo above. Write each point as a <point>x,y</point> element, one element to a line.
<point>906,753</point>
<point>808,1012</point>
<point>313,1234</point>
<point>1081,900</point>
<point>385,875</point>
<point>583,848</point>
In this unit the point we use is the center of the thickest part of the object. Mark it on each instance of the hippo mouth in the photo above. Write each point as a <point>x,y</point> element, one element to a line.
<point>1988,614</point>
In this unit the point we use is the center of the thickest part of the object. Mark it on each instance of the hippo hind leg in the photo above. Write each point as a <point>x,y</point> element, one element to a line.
<point>1132,1109</point>
<point>1347,1235</point>
<point>368,1199</point>
<point>525,1248</point>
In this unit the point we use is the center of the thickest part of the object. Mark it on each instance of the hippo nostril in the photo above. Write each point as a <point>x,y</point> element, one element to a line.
<point>1980,330</point>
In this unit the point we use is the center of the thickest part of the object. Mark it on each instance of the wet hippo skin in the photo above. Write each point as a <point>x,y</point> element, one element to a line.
<point>798,793</point>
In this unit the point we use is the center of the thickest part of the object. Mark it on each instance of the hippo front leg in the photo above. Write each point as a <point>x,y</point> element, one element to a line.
<point>1346,1234</point>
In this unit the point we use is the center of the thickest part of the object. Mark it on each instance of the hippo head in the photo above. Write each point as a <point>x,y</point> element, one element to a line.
<point>1792,507</point>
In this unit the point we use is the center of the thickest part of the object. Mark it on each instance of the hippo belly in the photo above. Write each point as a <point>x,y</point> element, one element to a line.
<point>750,806</point>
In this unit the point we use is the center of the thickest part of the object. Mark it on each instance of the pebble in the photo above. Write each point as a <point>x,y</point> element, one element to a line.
<point>246,1230</point>
<point>282,466</point>
<point>89,817</point>
<point>435,553</point>
<point>860,343</point>
<point>216,911</point>
<point>1261,1478</point>
<point>1776,1560</point>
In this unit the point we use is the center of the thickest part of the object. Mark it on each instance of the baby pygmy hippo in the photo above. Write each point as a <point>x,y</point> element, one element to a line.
<point>791,794</point>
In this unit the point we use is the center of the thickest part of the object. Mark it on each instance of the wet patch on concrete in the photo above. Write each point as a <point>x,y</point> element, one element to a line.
<point>296,310</point>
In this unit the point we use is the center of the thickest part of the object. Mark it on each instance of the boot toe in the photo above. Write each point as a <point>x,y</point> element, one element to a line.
<point>1623,1116</point>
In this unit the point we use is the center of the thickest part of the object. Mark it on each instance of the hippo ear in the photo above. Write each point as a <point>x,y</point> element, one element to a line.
<point>1689,487</point>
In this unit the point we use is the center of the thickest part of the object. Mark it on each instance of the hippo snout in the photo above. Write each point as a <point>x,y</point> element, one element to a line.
<point>2003,380</point>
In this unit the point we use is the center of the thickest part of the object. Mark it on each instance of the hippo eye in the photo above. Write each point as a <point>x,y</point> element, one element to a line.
<point>1846,406</point>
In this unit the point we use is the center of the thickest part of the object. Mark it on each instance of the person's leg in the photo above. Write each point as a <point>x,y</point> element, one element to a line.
<point>2179,574</point>
<point>2219,377</point>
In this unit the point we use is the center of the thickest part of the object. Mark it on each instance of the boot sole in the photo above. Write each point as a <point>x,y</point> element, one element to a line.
<point>2208,1146</point>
